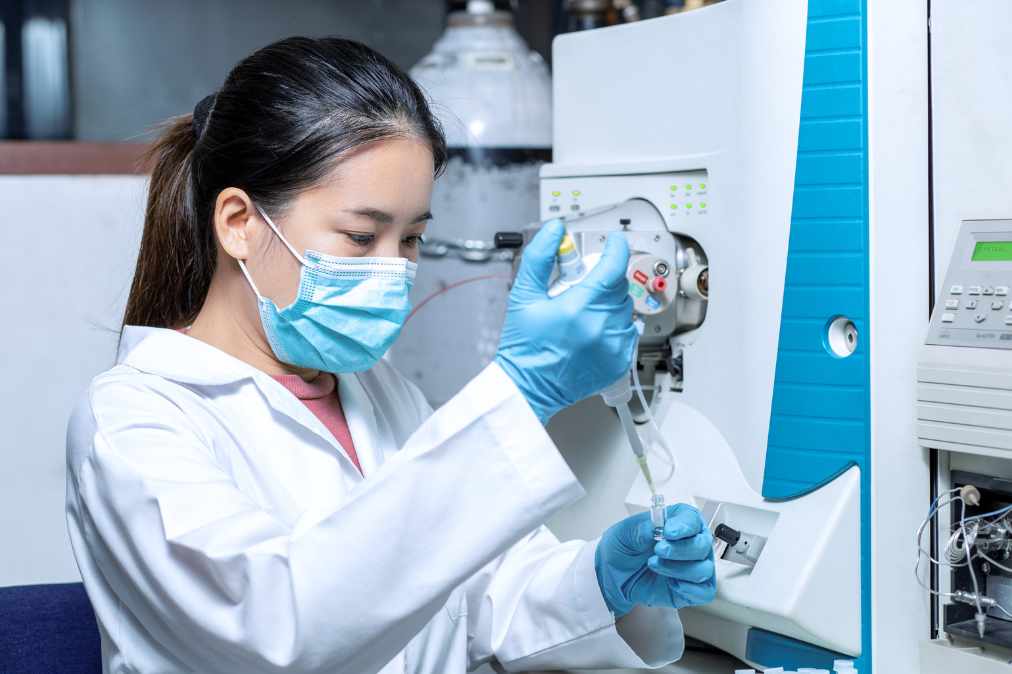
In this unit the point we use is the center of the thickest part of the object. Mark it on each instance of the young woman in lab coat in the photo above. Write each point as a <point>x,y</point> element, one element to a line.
<point>223,524</point>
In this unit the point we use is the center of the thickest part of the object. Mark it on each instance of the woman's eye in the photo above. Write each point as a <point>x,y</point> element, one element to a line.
<point>362,239</point>
<point>412,241</point>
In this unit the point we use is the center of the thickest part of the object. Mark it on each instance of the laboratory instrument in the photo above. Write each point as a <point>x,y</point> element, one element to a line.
<point>964,379</point>
<point>762,273</point>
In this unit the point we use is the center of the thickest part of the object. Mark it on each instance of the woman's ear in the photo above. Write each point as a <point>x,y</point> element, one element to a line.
<point>236,222</point>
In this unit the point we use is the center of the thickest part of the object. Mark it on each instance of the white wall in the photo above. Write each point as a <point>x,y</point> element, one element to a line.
<point>66,260</point>
<point>971,94</point>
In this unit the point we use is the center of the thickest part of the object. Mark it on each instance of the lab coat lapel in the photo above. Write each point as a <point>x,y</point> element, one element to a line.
<point>285,402</point>
<point>361,418</point>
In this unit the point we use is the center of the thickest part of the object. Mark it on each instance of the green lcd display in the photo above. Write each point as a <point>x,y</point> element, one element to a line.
<point>992,251</point>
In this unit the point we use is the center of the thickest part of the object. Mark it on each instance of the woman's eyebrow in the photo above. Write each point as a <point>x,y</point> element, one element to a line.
<point>384,217</point>
<point>372,213</point>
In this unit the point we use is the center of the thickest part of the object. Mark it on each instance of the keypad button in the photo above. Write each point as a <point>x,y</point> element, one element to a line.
<point>1001,290</point>
<point>980,318</point>
<point>956,290</point>
<point>1008,320</point>
<point>972,304</point>
<point>951,304</point>
<point>998,304</point>
<point>948,318</point>
<point>988,290</point>
<point>973,290</point>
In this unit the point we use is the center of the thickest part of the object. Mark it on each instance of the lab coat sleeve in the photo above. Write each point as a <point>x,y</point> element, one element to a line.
<point>539,606</point>
<point>226,586</point>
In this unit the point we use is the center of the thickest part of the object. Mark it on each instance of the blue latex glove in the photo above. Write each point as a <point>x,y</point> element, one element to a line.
<point>561,350</point>
<point>633,568</point>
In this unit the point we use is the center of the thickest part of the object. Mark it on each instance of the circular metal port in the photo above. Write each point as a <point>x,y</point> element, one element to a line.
<point>661,268</point>
<point>841,336</point>
<point>695,282</point>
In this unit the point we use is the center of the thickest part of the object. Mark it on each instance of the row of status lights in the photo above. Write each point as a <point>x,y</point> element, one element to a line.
<point>674,188</point>
<point>576,193</point>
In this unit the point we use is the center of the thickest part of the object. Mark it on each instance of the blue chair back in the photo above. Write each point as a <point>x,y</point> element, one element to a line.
<point>48,628</point>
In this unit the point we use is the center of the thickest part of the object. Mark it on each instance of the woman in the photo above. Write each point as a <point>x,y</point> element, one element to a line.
<point>236,507</point>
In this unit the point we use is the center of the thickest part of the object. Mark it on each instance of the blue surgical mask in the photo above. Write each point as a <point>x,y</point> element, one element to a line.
<point>348,313</point>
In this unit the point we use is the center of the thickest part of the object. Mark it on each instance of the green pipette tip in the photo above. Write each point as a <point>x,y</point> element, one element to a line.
<point>642,461</point>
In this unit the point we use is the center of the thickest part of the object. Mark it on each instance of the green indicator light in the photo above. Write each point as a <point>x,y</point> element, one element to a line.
<point>555,194</point>
<point>702,205</point>
<point>688,187</point>
<point>688,205</point>
<point>576,193</point>
<point>674,187</point>
<point>674,206</point>
<point>702,186</point>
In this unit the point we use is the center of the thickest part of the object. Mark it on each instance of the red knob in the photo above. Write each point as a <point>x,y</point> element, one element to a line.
<point>658,284</point>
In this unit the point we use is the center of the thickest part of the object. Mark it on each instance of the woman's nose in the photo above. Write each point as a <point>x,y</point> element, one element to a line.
<point>388,247</point>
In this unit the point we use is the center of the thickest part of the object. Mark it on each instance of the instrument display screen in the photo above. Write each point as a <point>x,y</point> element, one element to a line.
<point>992,251</point>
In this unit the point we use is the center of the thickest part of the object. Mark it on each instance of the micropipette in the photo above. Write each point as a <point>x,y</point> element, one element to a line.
<point>571,270</point>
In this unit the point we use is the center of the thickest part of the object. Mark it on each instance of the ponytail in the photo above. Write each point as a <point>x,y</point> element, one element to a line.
<point>280,124</point>
<point>178,251</point>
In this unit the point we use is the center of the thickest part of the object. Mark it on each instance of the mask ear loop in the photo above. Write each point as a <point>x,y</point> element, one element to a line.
<point>283,240</point>
<point>249,278</point>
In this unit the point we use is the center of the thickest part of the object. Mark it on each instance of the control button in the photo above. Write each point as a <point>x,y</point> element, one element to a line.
<point>980,318</point>
<point>948,318</point>
<point>988,290</point>
<point>998,304</point>
<point>553,208</point>
<point>1008,320</point>
<point>1001,290</point>
<point>951,304</point>
<point>973,290</point>
<point>574,207</point>
<point>972,304</point>
<point>956,290</point>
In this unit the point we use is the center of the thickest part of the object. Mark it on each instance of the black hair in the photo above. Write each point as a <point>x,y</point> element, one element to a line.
<point>279,125</point>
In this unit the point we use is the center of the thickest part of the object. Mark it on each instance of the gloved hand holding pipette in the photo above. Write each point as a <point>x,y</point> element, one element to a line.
<point>633,568</point>
<point>563,349</point>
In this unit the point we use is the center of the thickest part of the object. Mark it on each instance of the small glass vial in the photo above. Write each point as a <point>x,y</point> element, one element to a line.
<point>658,515</point>
<point>571,266</point>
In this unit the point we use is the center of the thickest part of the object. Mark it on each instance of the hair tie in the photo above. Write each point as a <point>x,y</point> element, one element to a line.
<point>202,113</point>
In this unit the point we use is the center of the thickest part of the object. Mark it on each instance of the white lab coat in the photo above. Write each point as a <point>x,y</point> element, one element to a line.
<point>219,527</point>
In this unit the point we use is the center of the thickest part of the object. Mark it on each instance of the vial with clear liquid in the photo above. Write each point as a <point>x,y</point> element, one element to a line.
<point>658,515</point>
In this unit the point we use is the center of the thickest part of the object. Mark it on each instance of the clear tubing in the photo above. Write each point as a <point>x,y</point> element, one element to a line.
<point>670,459</point>
<point>658,515</point>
